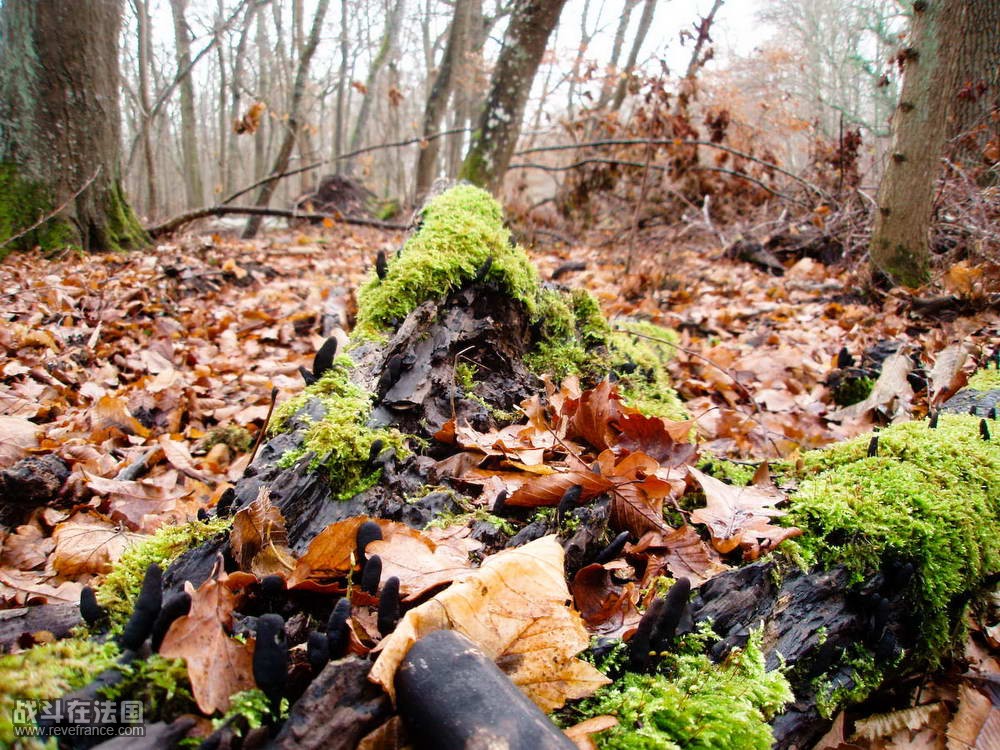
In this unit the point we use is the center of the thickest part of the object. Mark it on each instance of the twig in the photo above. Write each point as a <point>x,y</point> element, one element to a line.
<point>172,225</point>
<point>54,212</point>
<point>263,430</point>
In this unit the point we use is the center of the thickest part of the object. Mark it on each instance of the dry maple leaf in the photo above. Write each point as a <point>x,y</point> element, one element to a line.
<point>259,539</point>
<point>515,609</point>
<point>418,562</point>
<point>218,666</point>
<point>740,516</point>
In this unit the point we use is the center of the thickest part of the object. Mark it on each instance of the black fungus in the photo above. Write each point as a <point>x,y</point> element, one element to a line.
<point>367,532</point>
<point>147,609</point>
<point>270,659</point>
<point>337,630</point>
<point>317,651</point>
<point>569,501</point>
<point>381,265</point>
<point>388,606</point>
<point>613,550</point>
<point>92,613</point>
<point>323,360</point>
<point>174,607</point>
<point>873,446</point>
<point>371,574</point>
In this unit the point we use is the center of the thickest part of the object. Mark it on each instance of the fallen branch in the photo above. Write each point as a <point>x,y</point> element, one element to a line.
<point>172,225</point>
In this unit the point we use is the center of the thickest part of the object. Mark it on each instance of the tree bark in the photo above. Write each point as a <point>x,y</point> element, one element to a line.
<point>190,165</point>
<point>645,21</point>
<point>60,131</point>
<point>936,62</point>
<point>608,85</point>
<point>340,123</point>
<point>385,50</point>
<point>493,142</point>
<point>437,99</point>
<point>293,124</point>
<point>143,41</point>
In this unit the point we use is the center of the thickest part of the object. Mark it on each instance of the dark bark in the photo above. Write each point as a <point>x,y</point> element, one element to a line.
<point>59,138</point>
<point>494,141</point>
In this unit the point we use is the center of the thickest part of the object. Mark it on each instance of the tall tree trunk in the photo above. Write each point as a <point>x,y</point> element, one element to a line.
<point>340,123</point>
<point>221,109</point>
<point>493,143</point>
<point>393,21</point>
<point>950,39</point>
<point>608,85</point>
<point>60,126</point>
<point>260,140</point>
<point>236,94</point>
<point>294,113</point>
<point>437,100</point>
<point>143,41</point>
<point>193,190</point>
<point>645,21</point>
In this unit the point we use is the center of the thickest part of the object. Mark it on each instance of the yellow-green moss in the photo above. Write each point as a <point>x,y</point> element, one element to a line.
<point>461,229</point>
<point>46,672</point>
<point>236,437</point>
<point>119,590</point>
<point>22,203</point>
<point>647,387</point>
<point>930,497</point>
<point>162,684</point>
<point>986,379</point>
<point>694,704</point>
<point>866,677</point>
<point>341,441</point>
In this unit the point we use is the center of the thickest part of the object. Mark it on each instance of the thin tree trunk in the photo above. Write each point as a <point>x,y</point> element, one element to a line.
<point>943,33</point>
<point>143,40</point>
<point>260,140</point>
<point>645,21</point>
<point>500,123</point>
<point>293,124</point>
<point>223,124</point>
<point>608,85</point>
<point>340,122</point>
<point>236,94</point>
<point>437,100</point>
<point>393,22</point>
<point>191,166</point>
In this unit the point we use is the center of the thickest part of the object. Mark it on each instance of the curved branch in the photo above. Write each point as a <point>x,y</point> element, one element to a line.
<point>172,225</point>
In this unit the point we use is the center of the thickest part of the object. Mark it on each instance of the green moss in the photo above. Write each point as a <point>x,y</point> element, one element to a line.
<point>341,441</point>
<point>48,671</point>
<point>694,704</point>
<point>852,390</point>
<point>986,379</point>
<point>252,705</point>
<point>572,335</point>
<point>22,203</point>
<point>236,437</point>
<point>118,592</point>
<point>647,387</point>
<point>931,497</point>
<point>161,684</point>
<point>728,471</point>
<point>865,678</point>
<point>444,520</point>
<point>460,230</point>
<point>465,376</point>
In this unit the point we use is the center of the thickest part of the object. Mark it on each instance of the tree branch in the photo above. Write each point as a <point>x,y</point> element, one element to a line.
<point>172,225</point>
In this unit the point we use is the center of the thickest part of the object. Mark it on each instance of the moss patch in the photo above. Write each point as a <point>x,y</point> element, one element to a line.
<point>461,229</point>
<point>646,386</point>
<point>694,704</point>
<point>572,335</point>
<point>931,497</point>
<point>161,684</point>
<point>22,203</point>
<point>341,441</point>
<point>118,592</point>
<point>987,379</point>
<point>46,672</point>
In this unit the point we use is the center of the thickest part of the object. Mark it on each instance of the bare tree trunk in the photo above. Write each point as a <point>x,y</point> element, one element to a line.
<point>574,76</point>
<point>236,94</point>
<point>437,100</point>
<point>944,33</point>
<point>191,167</point>
<point>263,75</point>
<point>223,124</point>
<point>293,124</point>
<point>60,126</point>
<point>608,87</point>
<point>143,39</point>
<point>340,124</point>
<point>493,143</point>
<point>389,36</point>
<point>699,56</point>
<point>645,21</point>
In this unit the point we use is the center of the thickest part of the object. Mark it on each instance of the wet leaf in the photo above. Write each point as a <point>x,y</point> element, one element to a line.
<point>259,540</point>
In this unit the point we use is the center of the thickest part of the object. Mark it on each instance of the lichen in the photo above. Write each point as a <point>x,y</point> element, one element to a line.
<point>930,497</point>
<point>986,379</point>
<point>694,704</point>
<point>119,590</point>
<point>46,672</point>
<point>461,230</point>
<point>340,443</point>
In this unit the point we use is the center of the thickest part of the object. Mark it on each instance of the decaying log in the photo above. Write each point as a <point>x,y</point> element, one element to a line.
<point>16,624</point>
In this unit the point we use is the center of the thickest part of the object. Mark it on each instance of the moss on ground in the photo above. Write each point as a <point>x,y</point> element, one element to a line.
<point>694,704</point>
<point>339,444</point>
<point>930,497</point>
<point>986,379</point>
<point>46,672</point>
<point>647,387</point>
<point>119,590</point>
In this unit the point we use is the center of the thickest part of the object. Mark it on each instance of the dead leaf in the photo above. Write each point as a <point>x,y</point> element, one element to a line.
<point>977,723</point>
<point>740,516</point>
<point>659,438</point>
<point>179,456</point>
<point>547,490</point>
<point>891,393</point>
<point>514,609</point>
<point>946,377</point>
<point>112,413</point>
<point>419,563</point>
<point>604,606</point>
<point>680,552</point>
<point>259,540</point>
<point>217,665</point>
<point>89,545</point>
<point>580,733</point>
<point>637,492</point>
<point>17,437</point>
<point>596,411</point>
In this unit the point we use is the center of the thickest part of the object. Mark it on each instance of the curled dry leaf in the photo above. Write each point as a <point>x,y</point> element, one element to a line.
<point>580,733</point>
<point>548,489</point>
<point>133,500</point>
<point>741,516</point>
<point>217,665</point>
<point>179,456</point>
<point>259,540</point>
<point>89,545</point>
<point>891,393</point>
<point>419,563</point>
<point>947,376</point>
<point>679,553</point>
<point>659,438</point>
<point>976,726</point>
<point>515,609</point>
<point>605,607</point>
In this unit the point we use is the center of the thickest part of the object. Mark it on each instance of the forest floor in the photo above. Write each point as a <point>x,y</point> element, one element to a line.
<point>169,357</point>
